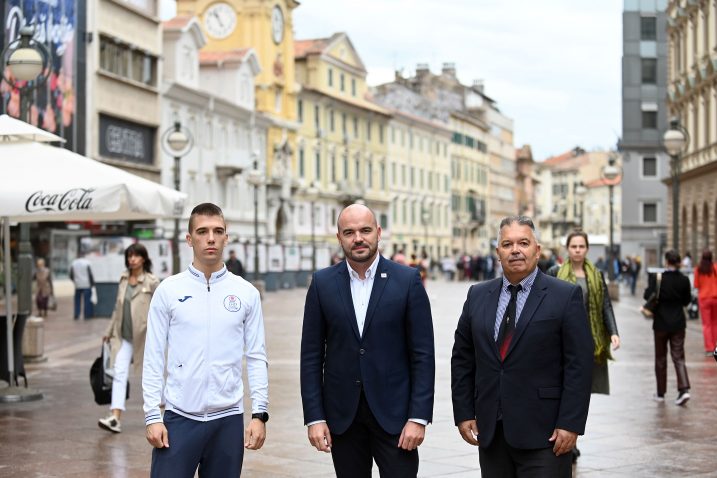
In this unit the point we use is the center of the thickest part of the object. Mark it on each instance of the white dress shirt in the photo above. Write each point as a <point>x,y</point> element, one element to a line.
<point>361,291</point>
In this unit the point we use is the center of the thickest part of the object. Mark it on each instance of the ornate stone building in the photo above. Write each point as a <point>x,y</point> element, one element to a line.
<point>692,98</point>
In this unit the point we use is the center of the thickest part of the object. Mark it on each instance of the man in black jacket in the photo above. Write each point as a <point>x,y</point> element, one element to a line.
<point>234,265</point>
<point>669,325</point>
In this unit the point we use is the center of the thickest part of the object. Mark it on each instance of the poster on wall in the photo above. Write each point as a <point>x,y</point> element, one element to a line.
<point>276,258</point>
<point>106,256</point>
<point>291,258</point>
<point>160,252</point>
<point>53,105</point>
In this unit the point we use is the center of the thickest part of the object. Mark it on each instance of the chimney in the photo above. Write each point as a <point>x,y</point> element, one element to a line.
<point>479,86</point>
<point>422,70</point>
<point>449,69</point>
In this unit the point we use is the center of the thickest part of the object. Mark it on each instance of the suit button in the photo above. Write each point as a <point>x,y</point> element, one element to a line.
<point>362,351</point>
<point>358,383</point>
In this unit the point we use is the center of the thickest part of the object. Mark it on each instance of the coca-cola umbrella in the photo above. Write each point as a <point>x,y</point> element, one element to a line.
<point>45,183</point>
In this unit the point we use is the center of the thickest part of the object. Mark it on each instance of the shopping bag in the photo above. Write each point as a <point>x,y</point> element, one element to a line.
<point>51,302</point>
<point>650,306</point>
<point>693,308</point>
<point>100,381</point>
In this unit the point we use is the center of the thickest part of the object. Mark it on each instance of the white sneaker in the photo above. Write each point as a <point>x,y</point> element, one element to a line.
<point>682,398</point>
<point>110,423</point>
<point>658,398</point>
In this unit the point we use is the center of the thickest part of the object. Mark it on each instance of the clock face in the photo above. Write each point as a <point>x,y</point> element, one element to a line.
<point>220,20</point>
<point>277,24</point>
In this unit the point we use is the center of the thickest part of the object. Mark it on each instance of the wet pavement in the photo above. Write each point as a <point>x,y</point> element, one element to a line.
<point>628,434</point>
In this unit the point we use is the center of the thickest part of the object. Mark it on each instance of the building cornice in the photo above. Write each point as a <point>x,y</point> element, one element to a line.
<point>708,168</point>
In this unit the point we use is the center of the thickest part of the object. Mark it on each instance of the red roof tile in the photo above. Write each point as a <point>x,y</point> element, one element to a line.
<point>177,23</point>
<point>559,158</point>
<point>600,182</point>
<point>212,57</point>
<point>302,48</point>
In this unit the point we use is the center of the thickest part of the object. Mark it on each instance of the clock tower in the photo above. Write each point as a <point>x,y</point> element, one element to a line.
<point>266,26</point>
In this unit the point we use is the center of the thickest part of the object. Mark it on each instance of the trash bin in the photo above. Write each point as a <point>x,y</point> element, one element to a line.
<point>33,340</point>
<point>106,298</point>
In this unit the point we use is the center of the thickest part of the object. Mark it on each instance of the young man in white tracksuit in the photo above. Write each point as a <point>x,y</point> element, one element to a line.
<point>204,321</point>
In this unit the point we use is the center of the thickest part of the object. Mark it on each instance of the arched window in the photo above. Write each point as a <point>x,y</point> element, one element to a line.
<point>705,227</point>
<point>683,231</point>
<point>693,232</point>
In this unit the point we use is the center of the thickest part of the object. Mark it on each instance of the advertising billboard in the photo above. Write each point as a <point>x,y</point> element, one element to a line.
<point>58,104</point>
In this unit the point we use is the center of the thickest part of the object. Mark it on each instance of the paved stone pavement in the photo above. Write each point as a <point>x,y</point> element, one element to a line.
<point>628,435</point>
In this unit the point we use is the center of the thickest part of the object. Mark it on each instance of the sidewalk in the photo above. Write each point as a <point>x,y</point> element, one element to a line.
<point>628,435</point>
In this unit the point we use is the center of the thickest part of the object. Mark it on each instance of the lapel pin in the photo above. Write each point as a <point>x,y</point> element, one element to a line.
<point>383,275</point>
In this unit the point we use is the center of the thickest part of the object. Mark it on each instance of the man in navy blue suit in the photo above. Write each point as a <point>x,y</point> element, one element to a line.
<point>367,357</point>
<point>522,361</point>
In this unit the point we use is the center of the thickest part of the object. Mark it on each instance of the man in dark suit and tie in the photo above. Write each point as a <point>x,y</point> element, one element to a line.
<point>367,357</point>
<point>522,364</point>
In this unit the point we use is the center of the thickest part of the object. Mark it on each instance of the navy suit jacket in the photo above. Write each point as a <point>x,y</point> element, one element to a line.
<point>393,360</point>
<point>543,383</point>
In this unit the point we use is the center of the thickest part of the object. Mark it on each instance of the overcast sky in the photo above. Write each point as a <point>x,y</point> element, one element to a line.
<point>553,66</point>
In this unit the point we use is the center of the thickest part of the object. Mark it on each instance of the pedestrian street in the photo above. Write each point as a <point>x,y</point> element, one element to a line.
<point>627,435</point>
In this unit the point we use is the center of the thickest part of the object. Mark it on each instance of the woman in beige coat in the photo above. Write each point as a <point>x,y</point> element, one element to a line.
<point>128,327</point>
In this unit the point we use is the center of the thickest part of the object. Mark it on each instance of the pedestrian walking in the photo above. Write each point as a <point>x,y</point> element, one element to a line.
<point>43,282</point>
<point>669,326</point>
<point>687,262</point>
<point>400,258</point>
<point>578,269</point>
<point>234,265</point>
<point>419,265</point>
<point>705,278</point>
<point>522,364</point>
<point>202,323</point>
<point>127,329</point>
<point>448,266</point>
<point>81,275</point>
<point>367,357</point>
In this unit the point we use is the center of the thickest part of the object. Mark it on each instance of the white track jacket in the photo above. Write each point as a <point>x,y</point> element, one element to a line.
<point>204,329</point>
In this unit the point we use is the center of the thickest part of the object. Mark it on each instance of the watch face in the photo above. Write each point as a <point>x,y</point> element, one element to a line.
<point>277,24</point>
<point>220,20</point>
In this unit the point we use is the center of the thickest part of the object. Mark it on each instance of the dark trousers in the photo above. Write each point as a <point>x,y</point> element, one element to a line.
<point>216,447</point>
<point>354,450</point>
<point>500,460</point>
<point>677,352</point>
<point>87,295</point>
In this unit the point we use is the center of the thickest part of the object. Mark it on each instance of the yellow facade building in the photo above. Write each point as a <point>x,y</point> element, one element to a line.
<point>342,143</point>
<point>420,186</point>
<point>265,26</point>
<point>470,178</point>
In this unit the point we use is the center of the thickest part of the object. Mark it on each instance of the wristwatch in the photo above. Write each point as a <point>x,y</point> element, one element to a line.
<point>263,416</point>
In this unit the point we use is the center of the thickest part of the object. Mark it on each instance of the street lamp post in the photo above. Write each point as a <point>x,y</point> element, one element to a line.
<point>676,140</point>
<point>425,220</point>
<point>312,193</point>
<point>580,191</point>
<point>255,178</point>
<point>463,219</point>
<point>27,61</point>
<point>177,142</point>
<point>610,173</point>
